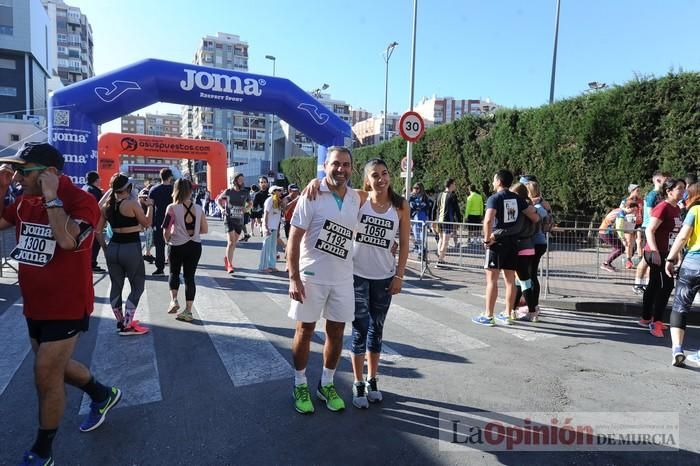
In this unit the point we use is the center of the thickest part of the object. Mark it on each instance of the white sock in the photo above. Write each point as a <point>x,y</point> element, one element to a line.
<point>300,377</point>
<point>327,376</point>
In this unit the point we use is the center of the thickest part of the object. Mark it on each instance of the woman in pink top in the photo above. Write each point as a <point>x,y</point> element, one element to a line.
<point>184,222</point>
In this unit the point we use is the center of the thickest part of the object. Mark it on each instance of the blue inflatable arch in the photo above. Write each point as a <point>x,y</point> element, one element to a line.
<point>76,110</point>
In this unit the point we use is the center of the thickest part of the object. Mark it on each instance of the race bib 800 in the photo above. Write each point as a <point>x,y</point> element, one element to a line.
<point>334,239</point>
<point>36,245</point>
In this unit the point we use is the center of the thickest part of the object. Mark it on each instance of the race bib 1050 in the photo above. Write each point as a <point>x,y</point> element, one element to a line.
<point>334,239</point>
<point>36,245</point>
<point>375,231</point>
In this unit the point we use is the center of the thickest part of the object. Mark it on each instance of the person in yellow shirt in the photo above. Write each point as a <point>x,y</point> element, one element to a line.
<point>474,212</point>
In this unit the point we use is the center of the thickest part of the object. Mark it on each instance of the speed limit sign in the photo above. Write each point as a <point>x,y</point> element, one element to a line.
<point>411,126</point>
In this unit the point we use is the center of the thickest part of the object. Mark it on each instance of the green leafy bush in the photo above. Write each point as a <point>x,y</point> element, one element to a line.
<point>584,150</point>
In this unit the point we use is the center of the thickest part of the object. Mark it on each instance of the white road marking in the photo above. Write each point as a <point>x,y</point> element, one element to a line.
<point>282,300</point>
<point>15,343</point>
<point>532,334</point>
<point>247,355</point>
<point>126,362</point>
<point>432,331</point>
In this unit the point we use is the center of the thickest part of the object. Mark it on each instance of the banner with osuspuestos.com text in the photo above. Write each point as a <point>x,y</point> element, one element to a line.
<point>564,431</point>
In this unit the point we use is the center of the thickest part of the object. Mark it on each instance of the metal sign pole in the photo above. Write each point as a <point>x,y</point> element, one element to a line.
<point>409,145</point>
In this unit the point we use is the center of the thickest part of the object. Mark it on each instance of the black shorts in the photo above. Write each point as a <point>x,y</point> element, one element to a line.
<point>501,256</point>
<point>56,330</point>
<point>232,225</point>
<point>445,229</point>
<point>474,219</point>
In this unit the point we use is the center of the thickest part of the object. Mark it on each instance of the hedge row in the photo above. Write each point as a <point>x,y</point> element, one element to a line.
<point>584,150</point>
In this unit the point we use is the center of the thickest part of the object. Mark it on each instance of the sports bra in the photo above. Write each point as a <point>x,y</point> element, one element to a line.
<point>120,220</point>
<point>190,226</point>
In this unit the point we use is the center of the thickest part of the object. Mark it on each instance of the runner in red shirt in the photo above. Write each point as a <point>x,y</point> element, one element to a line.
<point>54,222</point>
<point>664,225</point>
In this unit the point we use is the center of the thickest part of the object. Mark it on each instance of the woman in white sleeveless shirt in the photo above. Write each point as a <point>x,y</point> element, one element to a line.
<point>384,217</point>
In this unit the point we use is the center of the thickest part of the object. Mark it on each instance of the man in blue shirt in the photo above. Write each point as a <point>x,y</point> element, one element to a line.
<point>502,211</point>
<point>162,196</point>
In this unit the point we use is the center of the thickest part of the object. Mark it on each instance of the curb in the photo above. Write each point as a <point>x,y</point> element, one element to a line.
<point>613,308</point>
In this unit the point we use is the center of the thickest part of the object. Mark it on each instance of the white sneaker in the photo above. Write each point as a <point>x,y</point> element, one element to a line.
<point>373,393</point>
<point>174,307</point>
<point>359,395</point>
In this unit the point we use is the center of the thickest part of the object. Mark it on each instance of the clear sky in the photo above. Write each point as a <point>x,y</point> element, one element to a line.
<point>500,49</point>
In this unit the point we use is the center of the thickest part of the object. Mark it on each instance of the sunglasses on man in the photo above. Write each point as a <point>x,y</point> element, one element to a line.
<point>25,171</point>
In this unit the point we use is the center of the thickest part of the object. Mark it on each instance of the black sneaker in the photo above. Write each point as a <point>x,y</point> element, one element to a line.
<point>373,393</point>
<point>359,395</point>
<point>639,289</point>
<point>158,273</point>
<point>149,259</point>
<point>246,237</point>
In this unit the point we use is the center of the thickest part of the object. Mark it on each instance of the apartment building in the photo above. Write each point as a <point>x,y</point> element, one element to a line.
<point>152,124</point>
<point>243,133</point>
<point>24,60</point>
<point>371,130</point>
<point>438,110</point>
<point>71,43</point>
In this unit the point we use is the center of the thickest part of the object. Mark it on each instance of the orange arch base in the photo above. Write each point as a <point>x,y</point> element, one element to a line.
<point>112,145</point>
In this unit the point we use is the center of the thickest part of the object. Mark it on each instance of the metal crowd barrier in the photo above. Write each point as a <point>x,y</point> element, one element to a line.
<point>571,265</point>
<point>418,252</point>
<point>7,244</point>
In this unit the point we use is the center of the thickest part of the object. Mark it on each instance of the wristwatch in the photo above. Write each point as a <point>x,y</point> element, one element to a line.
<point>54,203</point>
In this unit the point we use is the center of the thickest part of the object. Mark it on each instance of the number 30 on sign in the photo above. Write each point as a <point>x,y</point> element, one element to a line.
<point>411,126</point>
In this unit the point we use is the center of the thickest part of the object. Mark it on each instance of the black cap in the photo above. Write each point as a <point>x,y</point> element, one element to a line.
<point>92,176</point>
<point>39,153</point>
<point>293,187</point>
<point>119,182</point>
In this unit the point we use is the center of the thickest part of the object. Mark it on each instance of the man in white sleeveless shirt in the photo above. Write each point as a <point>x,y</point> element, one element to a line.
<point>319,256</point>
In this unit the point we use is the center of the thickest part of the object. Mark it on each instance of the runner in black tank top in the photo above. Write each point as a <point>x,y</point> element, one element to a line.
<point>123,254</point>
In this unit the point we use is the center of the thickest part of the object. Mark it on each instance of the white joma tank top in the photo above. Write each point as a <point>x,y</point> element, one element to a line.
<point>372,258</point>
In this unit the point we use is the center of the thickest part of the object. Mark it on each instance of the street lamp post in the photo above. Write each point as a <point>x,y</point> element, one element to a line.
<point>319,90</point>
<point>596,86</point>
<point>272,115</point>
<point>387,55</point>
<point>554,56</point>
<point>317,93</point>
<point>409,144</point>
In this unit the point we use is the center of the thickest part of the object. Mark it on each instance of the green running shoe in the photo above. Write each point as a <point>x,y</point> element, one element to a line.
<point>185,316</point>
<point>328,394</point>
<point>302,399</point>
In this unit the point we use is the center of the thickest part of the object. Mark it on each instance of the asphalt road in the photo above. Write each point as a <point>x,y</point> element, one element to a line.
<point>219,390</point>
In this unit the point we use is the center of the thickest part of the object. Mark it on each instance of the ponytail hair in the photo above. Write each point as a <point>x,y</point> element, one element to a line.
<point>118,182</point>
<point>182,190</point>
<point>693,195</point>
<point>396,200</point>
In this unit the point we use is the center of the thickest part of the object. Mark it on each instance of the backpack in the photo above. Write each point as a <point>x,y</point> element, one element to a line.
<point>548,221</point>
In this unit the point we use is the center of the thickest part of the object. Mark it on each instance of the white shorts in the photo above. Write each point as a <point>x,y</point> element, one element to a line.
<point>332,302</point>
